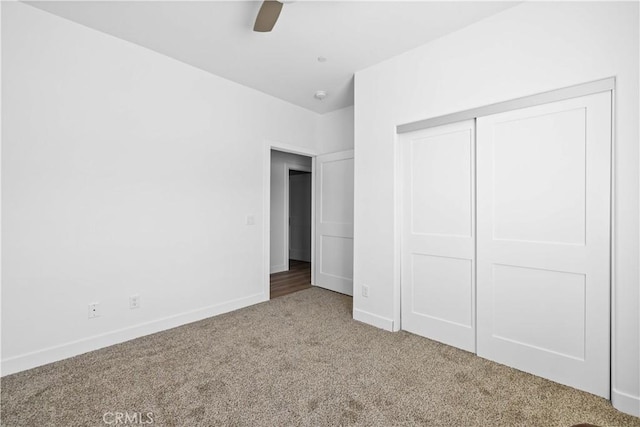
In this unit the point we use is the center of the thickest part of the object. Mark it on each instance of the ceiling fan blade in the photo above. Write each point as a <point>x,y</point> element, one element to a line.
<point>267,16</point>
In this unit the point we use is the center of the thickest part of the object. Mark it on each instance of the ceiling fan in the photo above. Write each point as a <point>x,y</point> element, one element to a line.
<point>267,16</point>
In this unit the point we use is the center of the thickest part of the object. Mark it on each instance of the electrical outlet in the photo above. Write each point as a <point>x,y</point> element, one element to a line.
<point>134,301</point>
<point>365,291</point>
<point>94,310</point>
<point>250,220</point>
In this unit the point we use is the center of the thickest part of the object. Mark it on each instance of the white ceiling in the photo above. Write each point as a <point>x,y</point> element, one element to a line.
<point>217,36</point>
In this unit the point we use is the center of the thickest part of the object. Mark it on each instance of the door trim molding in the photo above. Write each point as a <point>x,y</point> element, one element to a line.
<point>575,91</point>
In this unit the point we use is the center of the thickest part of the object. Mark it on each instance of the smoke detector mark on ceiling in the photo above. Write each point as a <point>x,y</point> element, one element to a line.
<point>320,95</point>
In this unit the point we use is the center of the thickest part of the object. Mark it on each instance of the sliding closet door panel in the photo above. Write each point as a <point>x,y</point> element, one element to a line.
<point>543,254</point>
<point>438,234</point>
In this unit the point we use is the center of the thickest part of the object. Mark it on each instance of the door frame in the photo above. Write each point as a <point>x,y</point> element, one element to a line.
<point>269,145</point>
<point>587,88</point>
<point>300,168</point>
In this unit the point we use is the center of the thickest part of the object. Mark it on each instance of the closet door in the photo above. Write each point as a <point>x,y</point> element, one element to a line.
<point>543,251</point>
<point>438,234</point>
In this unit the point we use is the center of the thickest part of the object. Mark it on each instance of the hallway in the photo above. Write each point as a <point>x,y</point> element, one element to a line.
<point>296,279</point>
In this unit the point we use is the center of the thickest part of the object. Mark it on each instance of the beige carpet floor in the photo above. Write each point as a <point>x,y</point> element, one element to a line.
<point>296,360</point>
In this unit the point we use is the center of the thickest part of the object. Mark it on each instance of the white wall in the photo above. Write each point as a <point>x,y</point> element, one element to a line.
<point>279,215</point>
<point>528,49</point>
<point>335,131</point>
<point>120,177</point>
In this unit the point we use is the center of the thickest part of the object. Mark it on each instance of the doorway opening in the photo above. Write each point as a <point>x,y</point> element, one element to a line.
<point>291,223</point>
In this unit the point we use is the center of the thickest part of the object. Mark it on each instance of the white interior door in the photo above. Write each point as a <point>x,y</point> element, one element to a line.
<point>543,190</point>
<point>334,222</point>
<point>438,270</point>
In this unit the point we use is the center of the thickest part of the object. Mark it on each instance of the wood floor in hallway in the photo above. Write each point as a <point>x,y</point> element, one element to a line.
<point>296,279</point>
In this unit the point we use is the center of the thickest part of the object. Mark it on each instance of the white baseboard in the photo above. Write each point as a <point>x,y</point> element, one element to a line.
<point>277,268</point>
<point>53,354</point>
<point>373,320</point>
<point>626,403</point>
